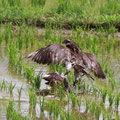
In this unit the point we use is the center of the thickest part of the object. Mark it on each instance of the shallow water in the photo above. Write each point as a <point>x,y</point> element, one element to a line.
<point>8,74</point>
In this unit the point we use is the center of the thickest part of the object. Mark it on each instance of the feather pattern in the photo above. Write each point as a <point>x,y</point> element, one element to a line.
<point>54,53</point>
<point>69,55</point>
<point>93,64</point>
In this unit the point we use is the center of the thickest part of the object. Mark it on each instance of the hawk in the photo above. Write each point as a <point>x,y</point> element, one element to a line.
<point>71,57</point>
<point>54,78</point>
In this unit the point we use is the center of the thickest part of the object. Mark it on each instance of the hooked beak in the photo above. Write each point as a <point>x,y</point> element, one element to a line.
<point>63,42</point>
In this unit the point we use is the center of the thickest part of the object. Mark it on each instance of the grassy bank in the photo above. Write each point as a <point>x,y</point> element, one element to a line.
<point>66,13</point>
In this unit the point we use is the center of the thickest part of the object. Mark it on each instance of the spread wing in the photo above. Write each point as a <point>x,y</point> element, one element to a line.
<point>53,53</point>
<point>91,62</point>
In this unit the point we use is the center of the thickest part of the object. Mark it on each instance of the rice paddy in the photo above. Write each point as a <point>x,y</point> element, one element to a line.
<point>97,99</point>
<point>23,92</point>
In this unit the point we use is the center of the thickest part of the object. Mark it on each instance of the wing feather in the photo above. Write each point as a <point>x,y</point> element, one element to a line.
<point>91,62</point>
<point>53,53</point>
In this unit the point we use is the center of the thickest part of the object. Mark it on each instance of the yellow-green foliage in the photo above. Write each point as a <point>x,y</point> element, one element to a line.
<point>60,11</point>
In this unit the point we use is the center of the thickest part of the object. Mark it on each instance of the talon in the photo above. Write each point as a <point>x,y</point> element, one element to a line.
<point>66,73</point>
<point>75,83</point>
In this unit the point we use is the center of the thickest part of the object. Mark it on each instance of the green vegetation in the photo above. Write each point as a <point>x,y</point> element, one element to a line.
<point>32,97</point>
<point>66,13</point>
<point>12,114</point>
<point>92,95</point>
<point>11,87</point>
<point>19,92</point>
<point>88,99</point>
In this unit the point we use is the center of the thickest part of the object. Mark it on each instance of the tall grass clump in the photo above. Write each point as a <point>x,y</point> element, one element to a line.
<point>110,7</point>
<point>13,114</point>
<point>61,92</point>
<point>11,87</point>
<point>104,93</point>
<point>100,36</point>
<point>117,100</point>
<point>42,103</point>
<point>27,39</point>
<point>62,6</point>
<point>95,92</point>
<point>73,34</point>
<point>13,2</point>
<point>19,92</point>
<point>79,102</point>
<point>93,107</point>
<point>111,97</point>
<point>88,42</point>
<point>60,36</point>
<point>73,99</point>
<point>53,36</point>
<point>97,111</point>
<point>79,30</point>
<point>32,97</point>
<point>40,3</point>
<point>48,31</point>
<point>20,38</point>
<point>3,85</point>
<point>112,81</point>
<point>13,51</point>
<point>3,3</point>
<point>19,64</point>
<point>31,37</point>
<point>7,33</point>
<point>88,104</point>
<point>20,42</point>
<point>62,115</point>
<point>54,108</point>
<point>37,82</point>
<point>29,73</point>
<point>1,37</point>
<point>67,115</point>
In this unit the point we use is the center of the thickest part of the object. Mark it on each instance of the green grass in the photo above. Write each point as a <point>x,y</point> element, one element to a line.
<point>3,85</point>
<point>32,97</point>
<point>62,12</point>
<point>20,92</point>
<point>11,88</point>
<point>12,113</point>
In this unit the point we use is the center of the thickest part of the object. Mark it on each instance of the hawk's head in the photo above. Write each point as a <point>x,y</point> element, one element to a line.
<point>71,45</point>
<point>67,41</point>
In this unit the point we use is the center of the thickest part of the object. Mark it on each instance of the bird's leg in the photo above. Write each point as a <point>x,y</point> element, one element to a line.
<point>68,66</point>
<point>66,72</point>
<point>87,74</point>
<point>76,74</point>
<point>75,82</point>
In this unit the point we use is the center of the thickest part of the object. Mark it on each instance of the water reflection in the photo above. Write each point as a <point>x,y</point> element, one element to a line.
<point>8,74</point>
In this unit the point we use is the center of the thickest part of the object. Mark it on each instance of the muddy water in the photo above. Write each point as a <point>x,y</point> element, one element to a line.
<point>8,74</point>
